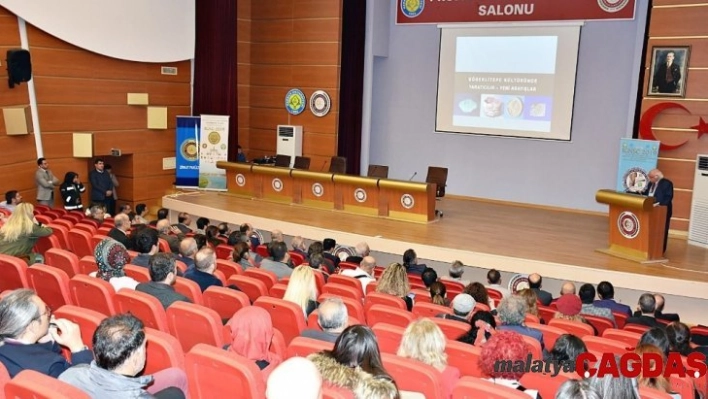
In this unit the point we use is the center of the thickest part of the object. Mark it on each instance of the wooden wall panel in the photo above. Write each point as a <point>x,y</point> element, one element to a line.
<point>133,142</point>
<point>15,149</point>
<point>681,172</point>
<point>682,203</point>
<point>317,9</point>
<point>678,21</point>
<point>282,9</point>
<point>9,32</point>
<point>52,90</point>
<point>319,144</point>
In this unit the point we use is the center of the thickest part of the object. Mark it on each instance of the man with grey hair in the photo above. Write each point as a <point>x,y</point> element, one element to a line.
<point>187,250</point>
<point>203,272</point>
<point>364,273</point>
<point>457,269</point>
<point>32,338</point>
<point>645,309</point>
<point>298,246</point>
<point>333,318</point>
<point>295,372</point>
<point>362,251</point>
<point>512,313</point>
<point>567,288</point>
<point>120,231</point>
<point>276,236</point>
<point>164,229</point>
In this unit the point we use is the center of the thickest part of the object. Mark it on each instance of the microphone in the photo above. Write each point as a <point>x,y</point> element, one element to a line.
<point>323,166</point>
<point>414,175</point>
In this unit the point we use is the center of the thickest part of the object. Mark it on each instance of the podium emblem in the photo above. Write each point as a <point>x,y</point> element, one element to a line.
<point>360,195</point>
<point>628,225</point>
<point>407,201</point>
<point>240,180</point>
<point>277,184</point>
<point>317,190</point>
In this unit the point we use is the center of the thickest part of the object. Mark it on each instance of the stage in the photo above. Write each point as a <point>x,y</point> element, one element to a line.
<point>519,239</point>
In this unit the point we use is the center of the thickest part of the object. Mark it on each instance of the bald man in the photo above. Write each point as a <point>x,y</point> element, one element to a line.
<point>535,283</point>
<point>567,288</point>
<point>295,378</point>
<point>364,273</point>
<point>663,192</point>
<point>120,231</point>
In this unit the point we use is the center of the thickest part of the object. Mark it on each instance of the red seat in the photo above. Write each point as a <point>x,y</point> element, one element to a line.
<point>164,246</point>
<point>638,328</point>
<point>378,298</point>
<point>252,287</point>
<point>287,317</point>
<point>651,393</point>
<point>225,301</point>
<point>63,260</point>
<point>277,344</point>
<point>278,290</point>
<point>469,387</point>
<point>97,238</point>
<point>606,345</point>
<point>194,324</point>
<point>138,273</point>
<point>104,230</point>
<point>577,328</point>
<point>452,329</point>
<point>453,286</point>
<point>465,357</point>
<point>86,226</point>
<point>629,338</point>
<point>262,250</point>
<point>386,314</point>
<point>87,319</point>
<point>266,276</point>
<point>4,379</point>
<point>388,337</point>
<point>190,289</point>
<point>545,384</point>
<point>424,309</point>
<point>29,384</point>
<point>348,265</point>
<point>74,217</point>
<point>371,287</point>
<point>14,273</point>
<point>228,267</point>
<point>346,280</point>
<point>163,351</point>
<point>421,295</point>
<point>50,284</point>
<point>620,319</point>
<point>143,306</point>
<point>297,258</point>
<point>354,308</point>
<point>534,346</point>
<point>80,242</point>
<point>344,291</point>
<point>61,231</point>
<point>546,313</point>
<point>682,385</point>
<point>215,373</point>
<point>218,274</point>
<point>87,265</point>
<point>531,319</point>
<point>181,266</point>
<point>93,293</point>
<point>550,333</point>
<point>302,346</point>
<point>41,209</point>
<point>54,213</point>
<point>600,323</point>
<point>415,376</point>
<point>46,243</point>
<point>224,251</point>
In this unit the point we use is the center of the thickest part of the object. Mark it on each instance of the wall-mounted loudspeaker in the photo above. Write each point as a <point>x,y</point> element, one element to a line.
<point>19,66</point>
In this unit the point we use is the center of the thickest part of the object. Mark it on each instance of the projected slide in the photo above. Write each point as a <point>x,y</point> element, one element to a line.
<point>506,84</point>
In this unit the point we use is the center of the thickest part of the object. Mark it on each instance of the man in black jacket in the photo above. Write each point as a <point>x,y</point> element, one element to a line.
<point>120,231</point>
<point>101,186</point>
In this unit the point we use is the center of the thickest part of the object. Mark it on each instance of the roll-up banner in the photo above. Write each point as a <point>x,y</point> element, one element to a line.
<point>213,147</point>
<point>187,167</point>
<point>636,159</point>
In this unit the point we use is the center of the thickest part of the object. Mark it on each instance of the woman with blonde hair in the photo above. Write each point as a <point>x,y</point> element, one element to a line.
<point>425,342</point>
<point>531,299</point>
<point>394,281</point>
<point>302,289</point>
<point>660,383</point>
<point>20,233</point>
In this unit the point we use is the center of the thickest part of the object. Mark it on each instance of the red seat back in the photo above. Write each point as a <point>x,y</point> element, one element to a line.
<point>67,224</point>
<point>29,384</point>
<point>534,347</point>
<point>346,280</point>
<point>378,298</point>
<point>163,351</point>
<point>421,295</point>
<point>252,287</point>
<point>629,338</point>
<point>278,290</point>
<point>415,376</point>
<point>61,231</point>
<point>469,387</point>
<point>576,328</point>
<point>424,309</point>
<point>225,301</point>
<point>651,393</point>
<point>545,384</point>
<point>638,328</point>
<point>97,238</point>
<point>386,314</point>
<point>87,265</point>
<point>388,337</point>
<point>194,324</point>
<point>74,217</point>
<point>215,373</point>
<point>224,251</point>
<point>14,273</point>
<point>302,346</point>
<point>4,379</point>
<point>606,345</point>
<point>87,225</point>
<point>93,293</point>
<point>138,273</point>
<point>287,317</point>
<point>143,306</point>
<point>50,284</point>
<point>620,319</point>
<point>80,242</point>
<point>297,258</point>
<point>190,289</point>
<point>546,313</point>
<point>344,291</point>
<point>465,357</point>
<point>87,319</point>
<point>46,243</point>
<point>228,267</point>
<point>266,276</point>
<point>452,329</point>
<point>550,333</point>
<point>348,265</point>
<point>600,323</point>
<point>64,260</point>
<point>262,250</point>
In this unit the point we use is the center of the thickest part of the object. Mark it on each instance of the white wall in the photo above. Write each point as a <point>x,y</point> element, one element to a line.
<point>563,174</point>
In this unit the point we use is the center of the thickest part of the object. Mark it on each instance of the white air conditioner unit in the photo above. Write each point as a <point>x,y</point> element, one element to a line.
<point>289,141</point>
<point>698,226</point>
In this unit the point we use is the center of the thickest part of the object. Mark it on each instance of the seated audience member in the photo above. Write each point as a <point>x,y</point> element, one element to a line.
<point>202,224</point>
<point>328,246</point>
<point>21,232</point>
<point>212,236</point>
<point>187,251</point>
<point>679,336</point>
<point>141,210</point>
<point>364,273</point>
<point>162,213</point>
<point>124,209</point>
<point>302,289</point>
<point>276,236</point>
<point>505,346</point>
<point>97,213</point>
<point>362,250</point>
<point>203,271</point>
<point>410,262</point>
<point>567,288</point>
<point>512,313</point>
<point>566,348</point>
<point>494,281</point>
<point>280,264</point>
<point>481,321</point>
<point>394,281</point>
<point>317,263</point>
<point>535,283</point>
<point>355,364</point>
<point>531,301</point>
<point>111,258</point>
<point>224,230</point>
<point>569,307</point>
<point>234,238</point>
<point>656,336</point>
<point>242,255</point>
<point>163,274</point>
<point>606,293</point>
<point>29,342</point>
<point>646,309</point>
<point>425,342</point>
<point>479,293</point>
<point>609,386</point>
<point>659,382</point>
<point>438,294</point>
<point>658,313</point>
<point>295,372</point>
<point>12,199</point>
<point>119,344</point>
<point>251,335</point>
<point>317,248</point>
<point>249,233</point>
<point>145,241</point>
<point>587,295</point>
<point>298,246</point>
<point>429,276</point>
<point>121,230</point>
<point>201,241</point>
<point>164,231</point>
<point>183,222</point>
<point>462,306</point>
<point>332,317</point>
<point>457,269</point>
<point>577,389</point>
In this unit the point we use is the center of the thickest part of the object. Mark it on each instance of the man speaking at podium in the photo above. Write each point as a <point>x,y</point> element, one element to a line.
<point>663,192</point>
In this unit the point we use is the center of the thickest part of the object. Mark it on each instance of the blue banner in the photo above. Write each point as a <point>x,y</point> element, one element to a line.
<point>636,159</point>
<point>187,172</point>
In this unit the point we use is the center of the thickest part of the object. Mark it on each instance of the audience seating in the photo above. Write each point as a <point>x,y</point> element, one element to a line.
<point>163,351</point>
<point>87,319</point>
<point>145,307</point>
<point>190,289</point>
<point>138,273</point>
<point>412,375</point>
<point>74,217</point>
<point>421,295</point>
<point>29,384</point>
<point>452,329</point>
<point>651,393</point>
<point>531,319</point>
<point>224,251</point>
<point>371,287</point>
<point>534,347</point>
<point>573,327</point>
<point>14,273</point>
<point>386,314</point>
<point>163,246</point>
<point>344,291</point>
<point>347,266</point>
<point>44,244</point>
<point>453,286</point>
<point>252,287</point>
<point>278,290</point>
<point>545,384</point>
<point>63,260</point>
<point>262,250</point>
<point>44,219</point>
<point>354,308</point>
<point>297,258</point>
<point>194,324</point>
<point>483,307</point>
<point>620,319</point>
<point>550,333</point>
<point>228,267</point>
<point>600,323</point>
<point>388,336</point>
<point>424,309</point>
<point>629,338</point>
<point>277,344</point>
<point>4,376</point>
<point>87,265</point>
<point>468,387</point>
<point>225,301</point>
<point>287,317</point>
<point>97,238</point>
<point>215,373</point>
<point>638,328</point>
<point>51,284</point>
<point>465,357</point>
<point>68,224</point>
<point>266,276</point>
<point>60,231</point>
<point>80,242</point>
<point>86,226</point>
<point>335,393</point>
<point>302,346</point>
<point>606,345</point>
<point>181,266</point>
<point>93,293</point>
<point>347,281</point>
<point>546,313</point>
<point>378,298</point>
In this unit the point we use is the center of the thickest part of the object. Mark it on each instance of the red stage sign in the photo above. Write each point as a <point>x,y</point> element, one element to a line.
<point>461,11</point>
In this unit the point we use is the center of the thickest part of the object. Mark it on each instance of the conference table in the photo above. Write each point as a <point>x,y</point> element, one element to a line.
<point>388,198</point>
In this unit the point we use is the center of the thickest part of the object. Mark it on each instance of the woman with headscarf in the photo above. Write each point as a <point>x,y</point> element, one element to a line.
<point>71,191</point>
<point>251,335</point>
<point>20,233</point>
<point>111,257</point>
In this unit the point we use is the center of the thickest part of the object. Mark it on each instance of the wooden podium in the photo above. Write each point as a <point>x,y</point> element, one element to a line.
<point>636,226</point>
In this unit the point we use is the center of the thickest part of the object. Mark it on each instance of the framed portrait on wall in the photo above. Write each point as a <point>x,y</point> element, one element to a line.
<point>669,70</point>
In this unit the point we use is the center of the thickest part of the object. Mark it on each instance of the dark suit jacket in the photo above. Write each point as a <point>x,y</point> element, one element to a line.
<point>173,241</point>
<point>334,259</point>
<point>183,228</point>
<point>544,296</point>
<point>205,280</point>
<point>644,321</point>
<point>44,358</point>
<point>661,316</point>
<point>662,83</point>
<point>664,194</point>
<point>121,237</point>
<point>166,294</point>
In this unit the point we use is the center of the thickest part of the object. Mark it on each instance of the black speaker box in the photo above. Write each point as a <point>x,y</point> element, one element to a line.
<point>19,66</point>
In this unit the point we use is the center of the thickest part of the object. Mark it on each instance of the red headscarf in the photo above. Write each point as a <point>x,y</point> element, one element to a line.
<point>251,335</point>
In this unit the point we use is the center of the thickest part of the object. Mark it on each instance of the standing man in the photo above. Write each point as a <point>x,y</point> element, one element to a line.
<point>109,169</point>
<point>45,180</point>
<point>663,192</point>
<point>668,75</point>
<point>101,186</point>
